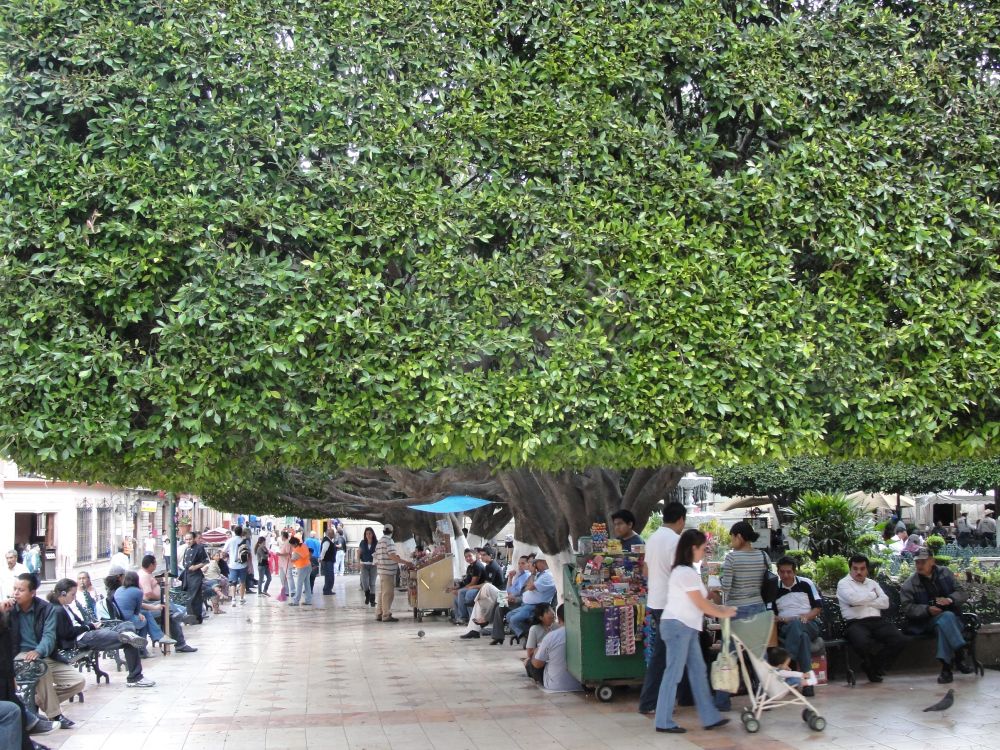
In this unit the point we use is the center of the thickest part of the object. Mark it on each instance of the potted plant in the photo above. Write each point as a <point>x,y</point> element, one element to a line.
<point>934,543</point>
<point>183,523</point>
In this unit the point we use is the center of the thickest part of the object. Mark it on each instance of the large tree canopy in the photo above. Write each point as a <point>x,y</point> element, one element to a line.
<point>254,234</point>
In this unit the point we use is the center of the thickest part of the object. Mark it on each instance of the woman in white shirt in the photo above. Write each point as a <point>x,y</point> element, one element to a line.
<point>680,627</point>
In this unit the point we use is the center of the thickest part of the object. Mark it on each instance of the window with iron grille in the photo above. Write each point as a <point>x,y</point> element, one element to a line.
<point>84,536</point>
<point>103,533</point>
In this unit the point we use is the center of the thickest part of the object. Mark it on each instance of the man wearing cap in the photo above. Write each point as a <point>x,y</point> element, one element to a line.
<point>931,599</point>
<point>387,562</point>
<point>988,529</point>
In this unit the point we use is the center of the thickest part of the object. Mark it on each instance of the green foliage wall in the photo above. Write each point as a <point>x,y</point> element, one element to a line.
<point>253,233</point>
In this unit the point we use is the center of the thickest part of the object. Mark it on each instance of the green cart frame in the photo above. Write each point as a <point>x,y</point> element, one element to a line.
<point>585,657</point>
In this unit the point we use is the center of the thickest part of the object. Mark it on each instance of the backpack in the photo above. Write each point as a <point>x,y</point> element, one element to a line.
<point>243,553</point>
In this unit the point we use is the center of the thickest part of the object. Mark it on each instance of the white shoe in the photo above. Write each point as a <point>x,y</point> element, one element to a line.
<point>167,641</point>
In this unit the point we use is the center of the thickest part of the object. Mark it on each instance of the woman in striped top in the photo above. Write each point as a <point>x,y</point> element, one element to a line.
<point>742,575</point>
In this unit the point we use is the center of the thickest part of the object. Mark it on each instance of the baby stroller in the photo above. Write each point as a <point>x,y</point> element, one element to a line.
<point>771,691</point>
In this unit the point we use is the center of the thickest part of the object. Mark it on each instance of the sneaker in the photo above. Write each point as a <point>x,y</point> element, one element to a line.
<point>306,604</point>
<point>390,618</point>
<point>808,692</point>
<point>185,649</point>
<point>165,641</point>
<point>945,677</point>
<point>38,746</point>
<point>719,723</point>
<point>64,723</point>
<point>189,619</point>
<point>293,604</point>
<point>470,634</point>
<point>44,726</point>
<point>140,683</point>
<point>132,639</point>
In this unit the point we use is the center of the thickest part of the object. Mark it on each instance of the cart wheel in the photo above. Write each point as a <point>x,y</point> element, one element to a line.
<point>807,714</point>
<point>605,693</point>
<point>817,723</point>
<point>751,725</point>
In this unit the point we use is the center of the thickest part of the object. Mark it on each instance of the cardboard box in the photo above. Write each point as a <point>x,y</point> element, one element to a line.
<point>820,667</point>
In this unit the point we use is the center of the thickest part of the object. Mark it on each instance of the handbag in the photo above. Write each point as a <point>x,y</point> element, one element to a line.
<point>769,583</point>
<point>726,667</point>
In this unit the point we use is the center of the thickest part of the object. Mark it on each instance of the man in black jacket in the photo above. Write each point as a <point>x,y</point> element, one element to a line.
<point>931,599</point>
<point>34,628</point>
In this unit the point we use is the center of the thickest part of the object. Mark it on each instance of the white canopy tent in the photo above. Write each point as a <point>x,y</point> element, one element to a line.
<point>880,500</point>
<point>968,502</point>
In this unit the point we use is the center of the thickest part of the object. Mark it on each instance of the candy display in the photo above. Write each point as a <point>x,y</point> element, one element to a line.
<point>615,584</point>
<point>599,537</point>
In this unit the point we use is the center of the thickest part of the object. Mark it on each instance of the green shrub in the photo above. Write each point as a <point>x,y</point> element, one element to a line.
<point>829,570</point>
<point>829,524</point>
<point>935,542</point>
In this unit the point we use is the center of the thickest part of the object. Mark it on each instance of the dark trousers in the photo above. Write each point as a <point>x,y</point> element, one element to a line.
<point>328,576</point>
<point>313,573</point>
<point>877,640</point>
<point>193,585</point>
<point>538,675</point>
<point>654,670</point>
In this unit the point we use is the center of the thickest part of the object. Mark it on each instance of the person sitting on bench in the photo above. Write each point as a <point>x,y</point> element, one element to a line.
<point>862,602</point>
<point>931,599</point>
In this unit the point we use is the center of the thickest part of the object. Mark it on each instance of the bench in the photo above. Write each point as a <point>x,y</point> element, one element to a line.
<point>26,677</point>
<point>833,638</point>
<point>834,629</point>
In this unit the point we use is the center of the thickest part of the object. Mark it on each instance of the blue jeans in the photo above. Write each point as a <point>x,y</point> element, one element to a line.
<point>949,634</point>
<point>10,724</point>
<point>303,586</point>
<point>654,670</point>
<point>463,600</point>
<point>683,650</point>
<point>796,638</point>
<point>519,618</point>
<point>723,701</point>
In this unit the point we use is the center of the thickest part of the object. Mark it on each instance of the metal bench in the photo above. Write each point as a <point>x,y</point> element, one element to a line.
<point>833,632</point>
<point>26,677</point>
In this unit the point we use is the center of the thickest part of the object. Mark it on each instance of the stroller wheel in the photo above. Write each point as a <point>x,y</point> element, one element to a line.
<point>807,714</point>
<point>751,724</point>
<point>817,723</point>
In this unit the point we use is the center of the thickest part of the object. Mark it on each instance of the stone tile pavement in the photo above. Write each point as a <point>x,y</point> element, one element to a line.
<point>270,676</point>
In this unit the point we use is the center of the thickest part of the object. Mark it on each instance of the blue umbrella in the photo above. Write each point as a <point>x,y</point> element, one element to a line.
<point>453,504</point>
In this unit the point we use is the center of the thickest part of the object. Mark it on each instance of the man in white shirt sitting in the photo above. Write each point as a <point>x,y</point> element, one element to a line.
<point>862,602</point>
<point>551,657</point>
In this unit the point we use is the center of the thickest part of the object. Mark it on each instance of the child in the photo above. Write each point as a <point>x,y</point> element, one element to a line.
<point>781,660</point>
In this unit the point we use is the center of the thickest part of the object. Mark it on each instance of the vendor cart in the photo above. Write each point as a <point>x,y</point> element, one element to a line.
<point>427,584</point>
<point>586,656</point>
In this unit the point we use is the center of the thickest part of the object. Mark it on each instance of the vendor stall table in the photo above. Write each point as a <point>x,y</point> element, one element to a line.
<point>427,584</point>
<point>589,639</point>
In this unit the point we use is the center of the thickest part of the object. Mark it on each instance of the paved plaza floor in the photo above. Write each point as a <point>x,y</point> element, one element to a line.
<point>271,676</point>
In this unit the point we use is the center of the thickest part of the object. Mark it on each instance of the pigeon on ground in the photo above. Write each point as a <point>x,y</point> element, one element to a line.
<point>944,704</point>
<point>420,634</point>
